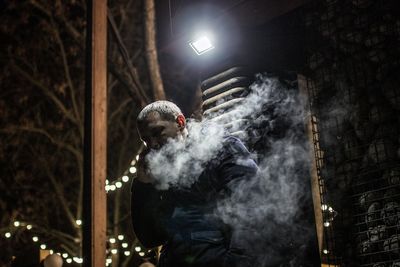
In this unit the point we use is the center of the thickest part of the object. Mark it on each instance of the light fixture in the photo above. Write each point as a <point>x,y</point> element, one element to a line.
<point>124,245</point>
<point>35,239</point>
<point>137,249</point>
<point>29,227</point>
<point>125,178</point>
<point>78,222</point>
<point>69,260</point>
<point>43,246</point>
<point>112,240</point>
<point>118,184</point>
<point>132,169</point>
<point>120,237</point>
<point>17,223</point>
<point>127,253</point>
<point>201,45</point>
<point>114,251</point>
<point>141,254</point>
<point>7,235</point>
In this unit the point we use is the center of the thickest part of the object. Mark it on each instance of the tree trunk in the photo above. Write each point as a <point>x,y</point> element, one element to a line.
<point>151,50</point>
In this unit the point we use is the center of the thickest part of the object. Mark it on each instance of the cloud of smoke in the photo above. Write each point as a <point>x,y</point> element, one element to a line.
<point>264,212</point>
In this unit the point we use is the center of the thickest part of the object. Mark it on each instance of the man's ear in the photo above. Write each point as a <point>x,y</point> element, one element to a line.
<point>181,121</point>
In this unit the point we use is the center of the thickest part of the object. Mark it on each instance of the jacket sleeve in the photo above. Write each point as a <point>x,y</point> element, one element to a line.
<point>145,202</point>
<point>234,164</point>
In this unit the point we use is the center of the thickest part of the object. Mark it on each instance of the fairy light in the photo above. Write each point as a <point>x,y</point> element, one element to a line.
<point>137,157</point>
<point>330,209</point>
<point>326,224</point>
<point>51,251</point>
<point>29,227</point>
<point>77,259</point>
<point>325,251</point>
<point>124,245</point>
<point>35,239</point>
<point>127,253</point>
<point>141,254</point>
<point>137,249</point>
<point>7,235</point>
<point>112,187</point>
<point>112,240</point>
<point>69,260</point>
<point>132,169</point>
<point>120,237</point>
<point>17,223</point>
<point>125,178</point>
<point>107,182</point>
<point>114,251</point>
<point>65,255</point>
<point>79,222</point>
<point>324,207</point>
<point>118,184</point>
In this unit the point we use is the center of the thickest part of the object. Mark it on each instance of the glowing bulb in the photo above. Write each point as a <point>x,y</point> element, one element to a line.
<point>324,207</point>
<point>118,184</point>
<point>35,239</point>
<point>133,162</point>
<point>114,251</point>
<point>107,182</point>
<point>112,240</point>
<point>69,260</point>
<point>43,246</point>
<point>112,187</point>
<point>120,237</point>
<point>137,249</point>
<point>127,253</point>
<point>17,223</point>
<point>132,169</point>
<point>141,254</point>
<point>65,255</point>
<point>124,245</point>
<point>51,251</point>
<point>326,224</point>
<point>325,251</point>
<point>29,227</point>
<point>77,260</point>
<point>7,235</point>
<point>107,187</point>
<point>78,222</point>
<point>201,45</point>
<point>109,260</point>
<point>330,209</point>
<point>125,178</point>
<point>137,157</point>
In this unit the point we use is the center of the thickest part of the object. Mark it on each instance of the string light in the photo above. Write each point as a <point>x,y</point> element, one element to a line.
<point>77,260</point>
<point>132,169</point>
<point>326,224</point>
<point>78,222</point>
<point>35,239</point>
<point>325,251</point>
<point>127,253</point>
<point>43,246</point>
<point>324,207</point>
<point>29,227</point>
<point>118,184</point>
<point>69,260</point>
<point>137,249</point>
<point>112,187</point>
<point>124,245</point>
<point>114,251</point>
<point>65,255</point>
<point>17,223</point>
<point>141,254</point>
<point>51,251</point>
<point>137,157</point>
<point>112,240</point>
<point>120,237</point>
<point>125,178</point>
<point>7,235</point>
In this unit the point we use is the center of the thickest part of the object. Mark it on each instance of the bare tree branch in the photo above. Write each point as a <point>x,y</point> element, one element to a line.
<point>46,91</point>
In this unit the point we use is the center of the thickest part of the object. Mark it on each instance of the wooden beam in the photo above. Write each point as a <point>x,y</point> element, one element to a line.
<point>95,139</point>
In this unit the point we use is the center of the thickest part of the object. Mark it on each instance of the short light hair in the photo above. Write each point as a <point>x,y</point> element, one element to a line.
<point>166,109</point>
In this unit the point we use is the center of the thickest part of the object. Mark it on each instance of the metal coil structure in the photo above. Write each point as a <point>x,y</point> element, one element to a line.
<point>224,91</point>
<point>353,70</point>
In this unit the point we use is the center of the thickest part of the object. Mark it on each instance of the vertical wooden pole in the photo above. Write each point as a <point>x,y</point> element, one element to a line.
<point>95,139</point>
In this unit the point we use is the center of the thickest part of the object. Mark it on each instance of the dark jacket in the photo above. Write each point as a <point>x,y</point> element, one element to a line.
<point>183,219</point>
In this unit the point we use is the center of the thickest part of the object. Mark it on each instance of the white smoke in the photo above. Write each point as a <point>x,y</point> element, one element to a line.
<point>264,211</point>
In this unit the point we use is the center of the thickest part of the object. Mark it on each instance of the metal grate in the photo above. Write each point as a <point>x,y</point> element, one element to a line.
<point>353,72</point>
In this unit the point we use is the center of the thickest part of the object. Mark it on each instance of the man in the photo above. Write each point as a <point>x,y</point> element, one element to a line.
<point>183,220</point>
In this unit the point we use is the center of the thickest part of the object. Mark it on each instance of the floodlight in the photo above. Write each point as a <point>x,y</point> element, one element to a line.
<point>201,45</point>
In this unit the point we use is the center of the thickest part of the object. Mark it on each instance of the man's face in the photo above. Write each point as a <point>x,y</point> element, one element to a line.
<point>156,131</point>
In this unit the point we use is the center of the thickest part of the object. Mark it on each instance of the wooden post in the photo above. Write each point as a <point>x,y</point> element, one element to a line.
<point>95,139</point>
